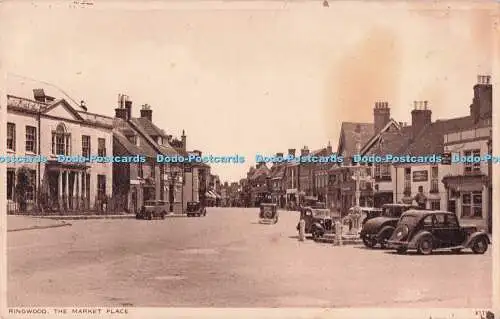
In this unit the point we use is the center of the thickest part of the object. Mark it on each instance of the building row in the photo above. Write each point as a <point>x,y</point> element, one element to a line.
<point>463,188</point>
<point>45,127</point>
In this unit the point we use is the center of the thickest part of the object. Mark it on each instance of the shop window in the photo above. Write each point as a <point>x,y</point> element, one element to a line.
<point>472,204</point>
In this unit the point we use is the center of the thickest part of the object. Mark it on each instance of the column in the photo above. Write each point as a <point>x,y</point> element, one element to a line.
<point>75,190</point>
<point>67,188</point>
<point>79,189</point>
<point>60,190</point>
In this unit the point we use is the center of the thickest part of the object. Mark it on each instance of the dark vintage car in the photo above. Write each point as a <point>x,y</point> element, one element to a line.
<point>318,221</point>
<point>379,229</point>
<point>195,209</point>
<point>426,230</point>
<point>152,209</point>
<point>268,213</point>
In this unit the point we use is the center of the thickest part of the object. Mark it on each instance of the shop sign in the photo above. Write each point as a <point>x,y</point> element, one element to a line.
<point>420,176</point>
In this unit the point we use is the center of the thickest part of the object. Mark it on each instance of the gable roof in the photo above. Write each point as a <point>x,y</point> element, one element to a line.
<point>431,139</point>
<point>19,85</point>
<point>371,142</point>
<point>391,142</point>
<point>66,106</point>
<point>349,137</point>
<point>263,170</point>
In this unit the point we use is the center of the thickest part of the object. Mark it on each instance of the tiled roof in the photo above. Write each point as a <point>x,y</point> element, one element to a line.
<point>150,127</point>
<point>351,136</point>
<point>431,139</point>
<point>164,149</point>
<point>144,148</point>
<point>391,142</point>
<point>277,171</point>
<point>260,172</point>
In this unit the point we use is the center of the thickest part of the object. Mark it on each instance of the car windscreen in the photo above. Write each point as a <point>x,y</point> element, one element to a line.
<point>321,212</point>
<point>150,203</point>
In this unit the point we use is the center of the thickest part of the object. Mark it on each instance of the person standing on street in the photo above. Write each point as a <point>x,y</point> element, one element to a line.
<point>420,198</point>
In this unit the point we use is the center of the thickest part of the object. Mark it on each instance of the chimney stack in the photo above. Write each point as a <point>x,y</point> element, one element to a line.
<point>421,116</point>
<point>184,140</point>
<point>147,112</point>
<point>381,115</point>
<point>121,111</point>
<point>291,152</point>
<point>481,107</point>
<point>329,149</point>
<point>279,154</point>
<point>304,151</point>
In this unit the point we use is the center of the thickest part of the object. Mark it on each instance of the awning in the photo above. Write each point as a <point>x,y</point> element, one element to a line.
<point>469,188</point>
<point>216,195</point>
<point>210,195</point>
<point>465,183</point>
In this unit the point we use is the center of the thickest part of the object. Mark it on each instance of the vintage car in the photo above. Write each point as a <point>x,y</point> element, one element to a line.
<point>361,215</point>
<point>152,209</point>
<point>195,209</point>
<point>379,229</point>
<point>268,213</point>
<point>318,221</point>
<point>427,230</point>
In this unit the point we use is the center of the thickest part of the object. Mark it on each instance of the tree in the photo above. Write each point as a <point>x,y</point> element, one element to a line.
<point>23,185</point>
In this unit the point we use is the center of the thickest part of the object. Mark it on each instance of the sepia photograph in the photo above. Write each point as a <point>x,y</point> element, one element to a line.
<point>246,154</point>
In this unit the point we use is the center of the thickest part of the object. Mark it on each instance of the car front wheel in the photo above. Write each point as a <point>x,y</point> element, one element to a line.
<point>369,242</point>
<point>425,246</point>
<point>480,246</point>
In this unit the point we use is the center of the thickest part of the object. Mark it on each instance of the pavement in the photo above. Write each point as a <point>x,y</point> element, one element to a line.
<point>19,223</point>
<point>228,259</point>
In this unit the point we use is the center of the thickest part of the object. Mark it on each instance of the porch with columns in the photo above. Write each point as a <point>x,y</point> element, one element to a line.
<point>67,187</point>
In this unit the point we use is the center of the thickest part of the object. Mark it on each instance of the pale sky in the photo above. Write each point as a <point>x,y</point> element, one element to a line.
<point>254,77</point>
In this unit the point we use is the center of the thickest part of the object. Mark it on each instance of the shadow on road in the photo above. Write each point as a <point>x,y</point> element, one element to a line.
<point>436,253</point>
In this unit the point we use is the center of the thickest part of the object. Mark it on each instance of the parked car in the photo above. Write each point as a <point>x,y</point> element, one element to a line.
<point>426,230</point>
<point>318,221</point>
<point>379,229</point>
<point>152,209</point>
<point>195,209</point>
<point>268,213</point>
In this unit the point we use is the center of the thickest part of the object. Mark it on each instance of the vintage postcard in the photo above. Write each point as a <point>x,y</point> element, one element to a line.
<point>249,159</point>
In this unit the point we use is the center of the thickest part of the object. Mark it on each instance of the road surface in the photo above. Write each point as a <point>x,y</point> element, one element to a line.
<point>227,259</point>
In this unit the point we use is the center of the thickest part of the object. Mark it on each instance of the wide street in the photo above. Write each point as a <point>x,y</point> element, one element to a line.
<point>227,259</point>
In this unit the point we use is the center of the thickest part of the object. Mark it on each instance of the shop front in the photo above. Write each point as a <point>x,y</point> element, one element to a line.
<point>468,197</point>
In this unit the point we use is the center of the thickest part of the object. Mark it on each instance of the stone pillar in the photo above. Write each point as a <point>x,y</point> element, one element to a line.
<point>67,188</point>
<point>75,190</point>
<point>78,179</point>
<point>60,190</point>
